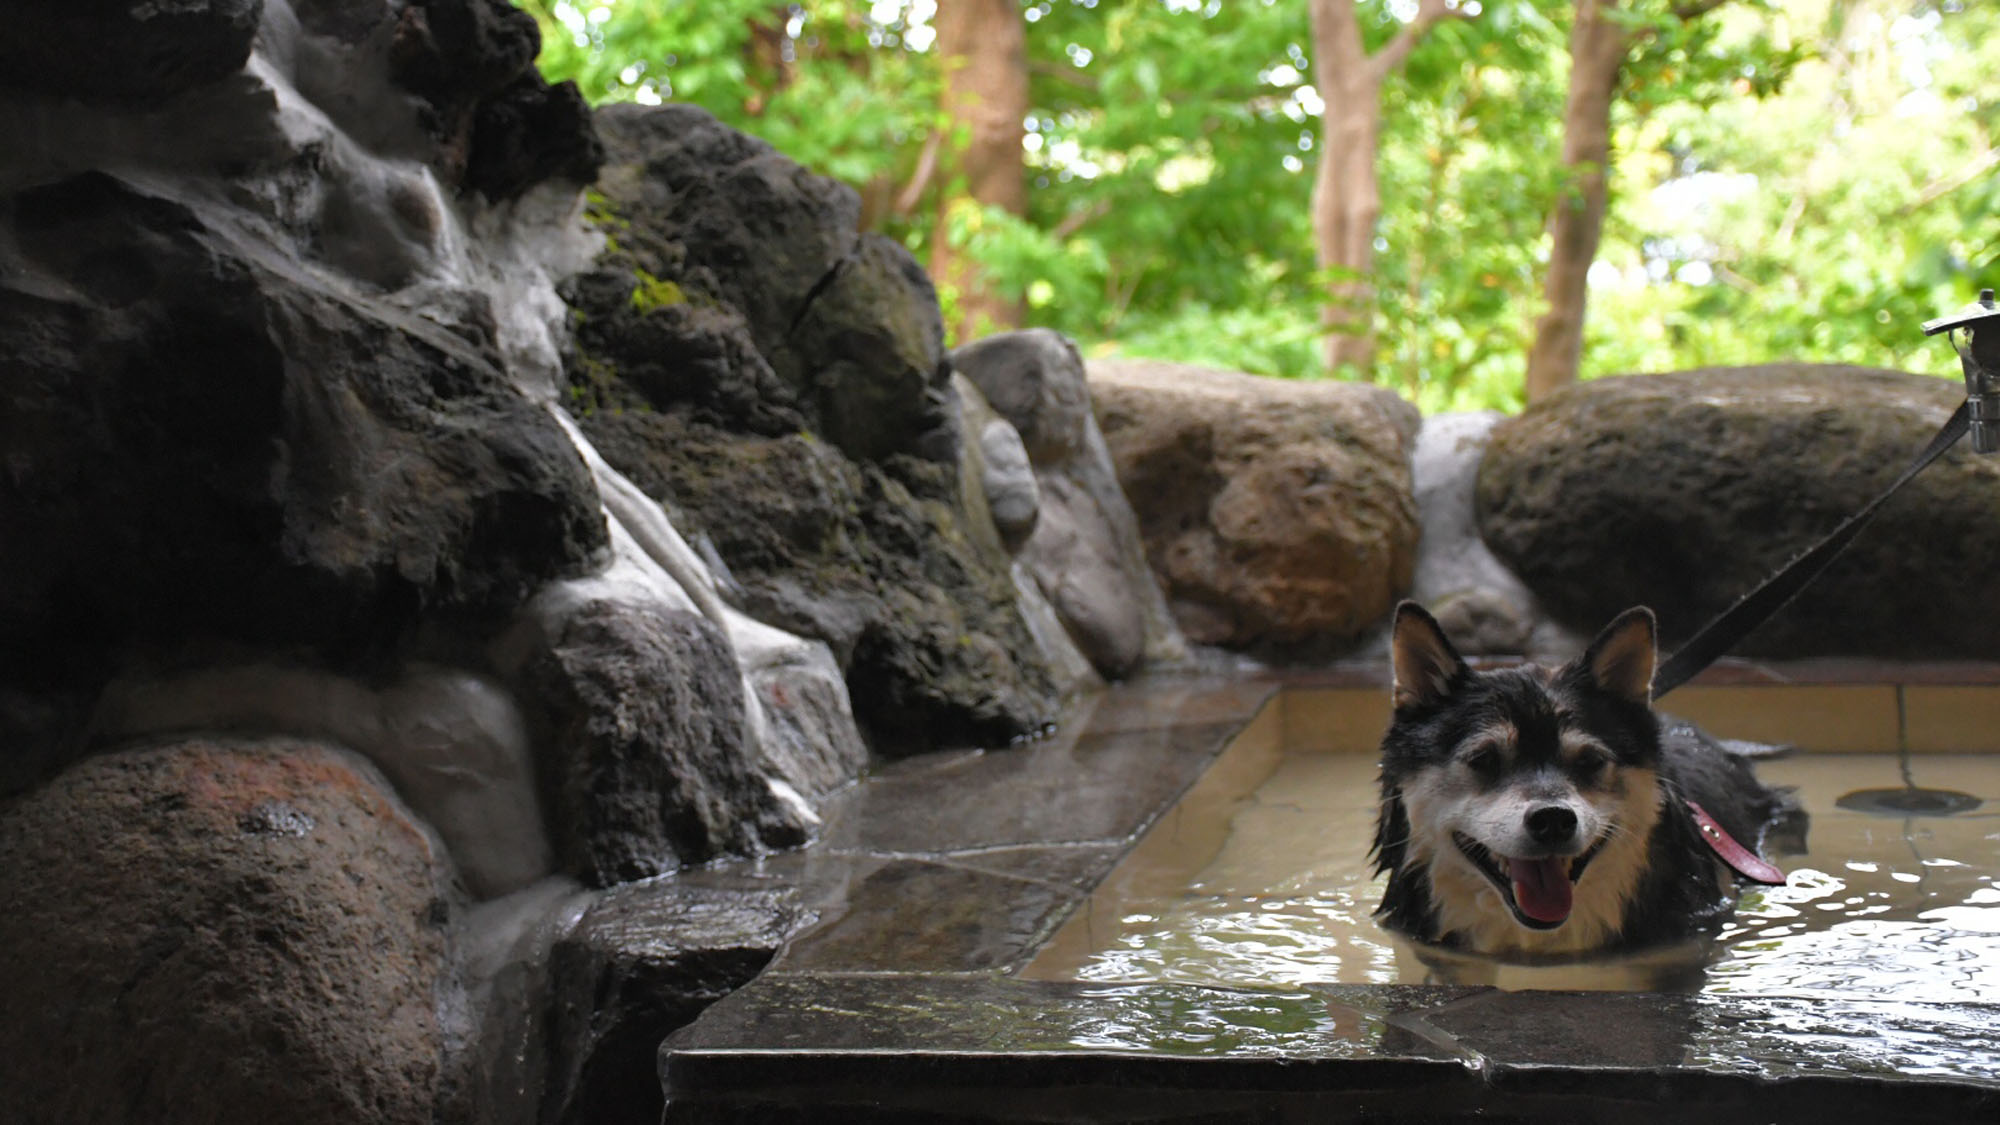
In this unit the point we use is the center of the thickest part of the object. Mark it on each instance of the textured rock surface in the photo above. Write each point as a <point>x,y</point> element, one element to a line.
<point>1002,502</point>
<point>1084,549</point>
<point>643,961</point>
<point>453,744</point>
<point>645,761</point>
<point>1482,606</point>
<point>498,126</point>
<point>781,316</point>
<point>778,381</point>
<point>1683,491</point>
<point>118,50</point>
<point>175,473</point>
<point>205,931</point>
<point>1007,479</point>
<point>923,621</point>
<point>1279,515</point>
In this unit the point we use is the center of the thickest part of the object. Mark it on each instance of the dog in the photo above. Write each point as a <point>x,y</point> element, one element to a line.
<point>1529,813</point>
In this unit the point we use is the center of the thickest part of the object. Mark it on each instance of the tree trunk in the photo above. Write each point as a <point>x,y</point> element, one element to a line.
<point>1347,199</point>
<point>983,47</point>
<point>764,57</point>
<point>1597,50</point>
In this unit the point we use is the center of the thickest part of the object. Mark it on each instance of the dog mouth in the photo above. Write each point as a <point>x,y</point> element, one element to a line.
<point>1540,892</point>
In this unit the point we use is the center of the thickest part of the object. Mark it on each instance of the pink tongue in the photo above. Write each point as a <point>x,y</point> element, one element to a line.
<point>1541,887</point>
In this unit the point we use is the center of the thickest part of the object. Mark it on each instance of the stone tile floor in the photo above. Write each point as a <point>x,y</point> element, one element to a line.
<point>937,879</point>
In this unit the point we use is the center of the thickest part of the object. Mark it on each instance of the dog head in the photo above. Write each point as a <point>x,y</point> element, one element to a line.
<point>1503,789</point>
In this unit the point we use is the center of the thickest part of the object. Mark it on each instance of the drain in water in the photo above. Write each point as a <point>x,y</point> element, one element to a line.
<point>1910,800</point>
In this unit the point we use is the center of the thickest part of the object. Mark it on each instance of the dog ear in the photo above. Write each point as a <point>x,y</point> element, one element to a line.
<point>1620,660</point>
<point>1427,668</point>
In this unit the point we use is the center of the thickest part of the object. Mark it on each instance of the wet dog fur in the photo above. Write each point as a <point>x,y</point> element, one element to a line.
<point>1528,812</point>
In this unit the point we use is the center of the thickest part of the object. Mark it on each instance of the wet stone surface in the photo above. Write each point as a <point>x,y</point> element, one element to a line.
<point>645,959</point>
<point>951,864</point>
<point>799,1048</point>
<point>965,862</point>
<point>1095,788</point>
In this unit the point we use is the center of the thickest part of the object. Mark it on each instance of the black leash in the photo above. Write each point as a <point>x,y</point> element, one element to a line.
<point>1721,634</point>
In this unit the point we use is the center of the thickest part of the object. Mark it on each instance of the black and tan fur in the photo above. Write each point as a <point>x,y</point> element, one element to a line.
<point>1568,769</point>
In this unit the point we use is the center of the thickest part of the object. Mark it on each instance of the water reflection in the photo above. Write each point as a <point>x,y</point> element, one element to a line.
<point>1275,892</point>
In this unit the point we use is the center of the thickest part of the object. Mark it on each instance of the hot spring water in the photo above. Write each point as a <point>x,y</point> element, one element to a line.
<point>1260,879</point>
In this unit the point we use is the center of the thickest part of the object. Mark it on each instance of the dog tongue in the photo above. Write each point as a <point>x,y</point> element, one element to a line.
<point>1541,887</point>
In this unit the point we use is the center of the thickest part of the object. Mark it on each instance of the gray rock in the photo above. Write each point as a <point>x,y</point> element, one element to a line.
<point>639,712</point>
<point>208,931</point>
<point>207,443</point>
<point>728,216</point>
<point>888,575</point>
<point>642,962</point>
<point>1278,514</point>
<point>1077,564</point>
<point>498,127</point>
<point>809,741</point>
<point>1683,491</point>
<point>115,50</point>
<point>1084,552</point>
<point>872,340</point>
<point>1012,487</point>
<point>846,324</point>
<point>1035,379</point>
<point>1482,606</point>
<point>777,381</point>
<point>1008,482</point>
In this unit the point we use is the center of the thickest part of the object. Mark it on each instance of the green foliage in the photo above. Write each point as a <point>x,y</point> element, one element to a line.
<point>1794,179</point>
<point>811,79</point>
<point>1826,223</point>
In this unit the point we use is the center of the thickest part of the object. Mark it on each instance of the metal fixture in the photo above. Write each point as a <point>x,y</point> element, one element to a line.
<point>1979,354</point>
<point>1909,801</point>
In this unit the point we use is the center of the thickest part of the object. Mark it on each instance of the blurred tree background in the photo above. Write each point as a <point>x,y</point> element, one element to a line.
<point>1780,179</point>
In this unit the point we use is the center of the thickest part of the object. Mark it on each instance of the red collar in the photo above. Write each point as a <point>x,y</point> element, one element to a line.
<point>1747,863</point>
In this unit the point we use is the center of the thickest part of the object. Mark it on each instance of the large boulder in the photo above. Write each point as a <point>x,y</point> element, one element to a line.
<point>792,318</point>
<point>1683,491</point>
<point>1082,540</point>
<point>1278,514</point>
<point>206,931</point>
<point>452,743</point>
<point>777,380</point>
<point>646,765</point>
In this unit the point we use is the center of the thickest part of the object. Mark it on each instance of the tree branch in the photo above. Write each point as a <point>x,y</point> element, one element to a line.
<point>1077,220</point>
<point>1429,14</point>
<point>927,162</point>
<point>1688,10</point>
<point>1939,188</point>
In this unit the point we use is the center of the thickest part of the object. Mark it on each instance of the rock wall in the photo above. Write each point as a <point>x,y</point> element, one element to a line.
<point>778,380</point>
<point>344,551</point>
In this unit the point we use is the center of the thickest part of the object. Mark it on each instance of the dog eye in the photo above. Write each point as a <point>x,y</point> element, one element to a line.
<point>1484,759</point>
<point>1590,763</point>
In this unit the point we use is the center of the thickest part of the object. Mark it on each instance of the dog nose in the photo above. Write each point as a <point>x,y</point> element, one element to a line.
<point>1552,824</point>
